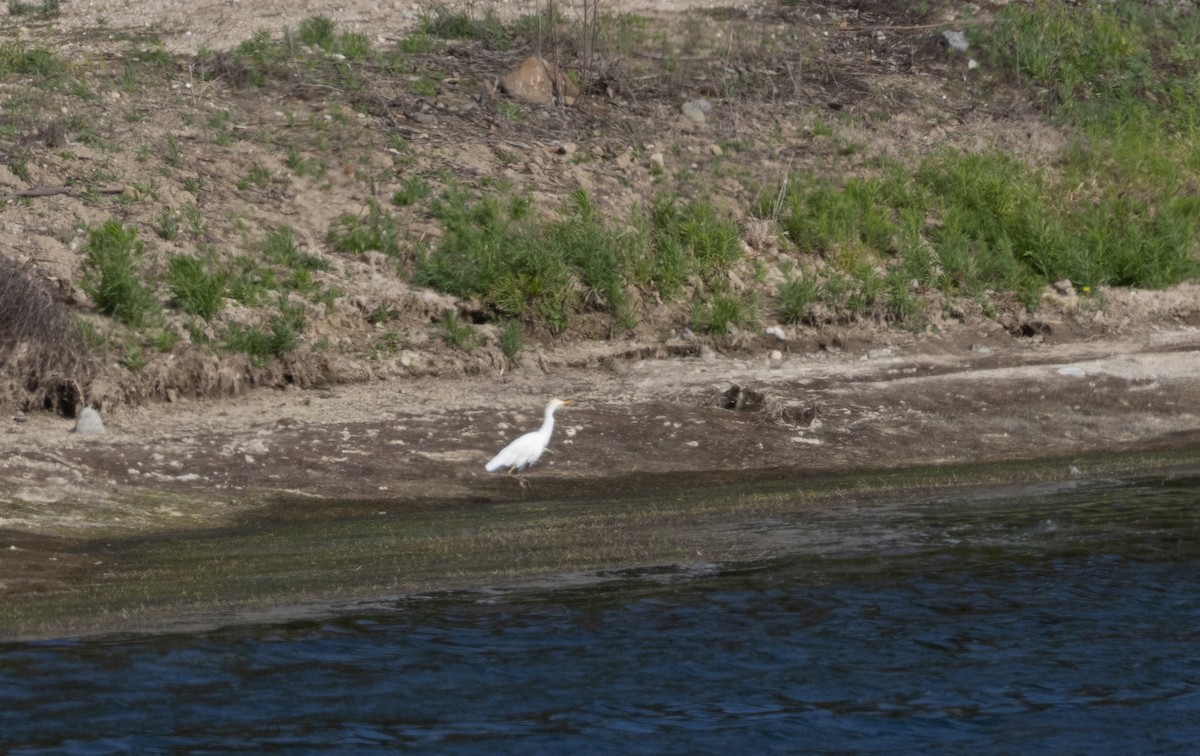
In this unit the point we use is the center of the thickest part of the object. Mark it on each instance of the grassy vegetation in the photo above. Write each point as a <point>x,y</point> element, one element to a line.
<point>195,287</point>
<point>112,275</point>
<point>375,230</point>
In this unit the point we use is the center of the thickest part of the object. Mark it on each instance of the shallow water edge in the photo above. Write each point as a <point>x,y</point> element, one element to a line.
<point>286,557</point>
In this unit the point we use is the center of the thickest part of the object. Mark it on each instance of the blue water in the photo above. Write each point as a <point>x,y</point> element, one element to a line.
<point>1060,622</point>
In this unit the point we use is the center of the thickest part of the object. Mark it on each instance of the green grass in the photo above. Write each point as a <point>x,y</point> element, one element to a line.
<point>722,313</point>
<point>413,190</point>
<point>456,332</point>
<point>44,8</point>
<point>685,240</point>
<point>512,338</point>
<point>794,297</point>
<point>18,60</point>
<point>195,287</point>
<point>318,31</point>
<point>539,270</point>
<point>972,223</point>
<point>279,335</point>
<point>280,248</point>
<point>445,23</point>
<point>112,276</point>
<point>374,230</point>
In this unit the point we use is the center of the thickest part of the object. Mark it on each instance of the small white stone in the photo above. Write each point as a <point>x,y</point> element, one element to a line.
<point>89,423</point>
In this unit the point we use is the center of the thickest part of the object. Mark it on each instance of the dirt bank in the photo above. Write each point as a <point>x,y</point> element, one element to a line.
<point>911,401</point>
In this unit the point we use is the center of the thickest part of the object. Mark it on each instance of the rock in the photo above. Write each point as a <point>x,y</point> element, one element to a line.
<point>741,399</point>
<point>777,332</point>
<point>715,150</point>
<point>1064,287</point>
<point>537,81</point>
<point>775,360</point>
<point>89,423</point>
<point>623,161</point>
<point>20,417</point>
<point>707,354</point>
<point>657,161</point>
<point>696,110</point>
<point>956,40</point>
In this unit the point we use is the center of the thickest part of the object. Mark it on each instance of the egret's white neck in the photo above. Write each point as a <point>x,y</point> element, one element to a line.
<point>548,422</point>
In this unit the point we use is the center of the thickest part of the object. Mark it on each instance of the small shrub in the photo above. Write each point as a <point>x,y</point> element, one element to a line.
<point>720,315</point>
<point>384,312</point>
<point>279,247</point>
<point>168,224</point>
<point>194,289</point>
<point>794,296</point>
<point>456,332</point>
<point>45,359</point>
<point>448,24</point>
<point>111,277</point>
<point>354,45</point>
<point>259,176</point>
<point>414,189</point>
<point>377,230</point>
<point>512,338</point>
<point>689,239</point>
<point>135,357</point>
<point>317,31</point>
<point>281,334</point>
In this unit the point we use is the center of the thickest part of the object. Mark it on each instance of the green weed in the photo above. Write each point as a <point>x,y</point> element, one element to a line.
<point>317,31</point>
<point>135,357</point>
<point>794,296</point>
<point>167,226</point>
<point>512,338</point>
<point>111,275</point>
<point>449,24</point>
<point>280,335</point>
<point>413,190</point>
<point>456,332</point>
<point>384,312</point>
<point>279,247</point>
<point>721,314</point>
<point>45,8</point>
<point>376,230</point>
<point>540,271</point>
<point>195,289</point>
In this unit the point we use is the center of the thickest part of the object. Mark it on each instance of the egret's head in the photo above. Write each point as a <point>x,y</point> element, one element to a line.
<point>556,403</point>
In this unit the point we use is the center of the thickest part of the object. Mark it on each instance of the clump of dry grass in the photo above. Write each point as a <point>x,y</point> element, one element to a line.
<point>43,361</point>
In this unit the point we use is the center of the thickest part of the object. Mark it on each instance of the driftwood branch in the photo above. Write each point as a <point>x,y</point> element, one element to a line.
<point>50,191</point>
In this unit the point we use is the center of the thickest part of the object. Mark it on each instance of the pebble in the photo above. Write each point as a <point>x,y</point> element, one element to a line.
<point>956,40</point>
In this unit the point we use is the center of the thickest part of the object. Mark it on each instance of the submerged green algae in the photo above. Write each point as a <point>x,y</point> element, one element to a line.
<point>286,556</point>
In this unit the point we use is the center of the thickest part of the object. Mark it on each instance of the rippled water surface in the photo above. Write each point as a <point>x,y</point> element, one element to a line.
<point>1056,621</point>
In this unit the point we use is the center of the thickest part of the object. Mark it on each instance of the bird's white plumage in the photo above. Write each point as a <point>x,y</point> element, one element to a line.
<point>526,449</point>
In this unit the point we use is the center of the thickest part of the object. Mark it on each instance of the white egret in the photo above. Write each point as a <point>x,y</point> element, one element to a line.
<point>524,451</point>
